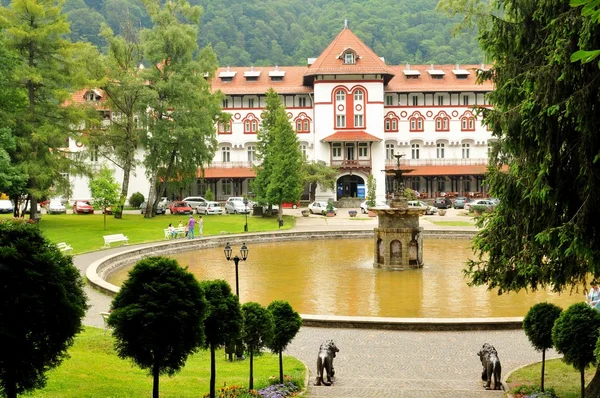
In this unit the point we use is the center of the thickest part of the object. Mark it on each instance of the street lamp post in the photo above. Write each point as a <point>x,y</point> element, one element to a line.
<point>236,259</point>
<point>246,225</point>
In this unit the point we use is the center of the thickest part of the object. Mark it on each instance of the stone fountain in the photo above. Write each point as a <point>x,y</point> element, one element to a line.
<point>398,237</point>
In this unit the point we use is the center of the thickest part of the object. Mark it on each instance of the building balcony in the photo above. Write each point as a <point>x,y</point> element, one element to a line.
<point>351,164</point>
<point>232,165</point>
<point>439,162</point>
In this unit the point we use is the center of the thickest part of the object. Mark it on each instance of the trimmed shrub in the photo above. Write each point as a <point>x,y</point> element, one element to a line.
<point>209,195</point>
<point>136,199</point>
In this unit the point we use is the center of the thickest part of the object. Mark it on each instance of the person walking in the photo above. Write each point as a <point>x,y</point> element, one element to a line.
<point>200,226</point>
<point>190,226</point>
<point>593,296</point>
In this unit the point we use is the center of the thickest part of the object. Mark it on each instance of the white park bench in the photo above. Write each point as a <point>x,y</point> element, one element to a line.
<point>179,232</point>
<point>108,239</point>
<point>63,247</point>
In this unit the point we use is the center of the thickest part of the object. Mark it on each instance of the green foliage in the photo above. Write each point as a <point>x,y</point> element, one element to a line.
<point>258,331</point>
<point>158,316</point>
<point>104,189</point>
<point>41,282</point>
<point>410,194</point>
<point>184,108</point>
<point>318,173</point>
<point>371,191</point>
<point>209,195</point>
<point>538,324</point>
<point>545,161</point>
<point>575,334</point>
<point>136,199</point>
<point>287,323</point>
<point>224,322</point>
<point>330,207</point>
<point>47,69</point>
<point>479,209</point>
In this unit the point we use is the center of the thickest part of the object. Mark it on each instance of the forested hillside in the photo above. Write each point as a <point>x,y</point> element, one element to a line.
<point>287,32</point>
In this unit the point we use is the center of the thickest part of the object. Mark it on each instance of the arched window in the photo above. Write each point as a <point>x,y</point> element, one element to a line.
<point>416,121</point>
<point>340,96</point>
<point>302,122</point>
<point>442,122</point>
<point>467,122</point>
<point>349,58</point>
<point>250,124</point>
<point>390,122</point>
<point>225,127</point>
<point>358,95</point>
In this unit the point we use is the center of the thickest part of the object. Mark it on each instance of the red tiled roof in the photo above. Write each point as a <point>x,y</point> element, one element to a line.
<point>400,83</point>
<point>414,171</point>
<point>351,136</point>
<point>78,97</point>
<point>223,172</point>
<point>330,62</point>
<point>290,84</point>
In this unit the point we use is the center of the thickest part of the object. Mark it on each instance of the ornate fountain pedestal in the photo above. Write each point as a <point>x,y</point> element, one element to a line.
<point>398,238</point>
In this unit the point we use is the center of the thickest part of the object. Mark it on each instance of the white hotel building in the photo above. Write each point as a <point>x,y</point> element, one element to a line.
<point>354,112</point>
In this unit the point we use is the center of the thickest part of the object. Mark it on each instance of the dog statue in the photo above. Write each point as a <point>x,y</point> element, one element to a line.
<point>491,366</point>
<point>325,362</point>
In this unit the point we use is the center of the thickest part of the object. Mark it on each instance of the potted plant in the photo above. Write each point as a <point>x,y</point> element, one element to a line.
<point>371,194</point>
<point>352,213</point>
<point>305,213</point>
<point>330,210</point>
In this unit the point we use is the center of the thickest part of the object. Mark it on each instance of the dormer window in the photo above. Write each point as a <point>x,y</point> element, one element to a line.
<point>92,95</point>
<point>349,58</point>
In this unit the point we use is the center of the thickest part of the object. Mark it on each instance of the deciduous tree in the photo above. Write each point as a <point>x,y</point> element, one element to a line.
<point>158,317</point>
<point>287,323</point>
<point>223,323</point>
<point>42,304</point>
<point>105,190</point>
<point>258,331</point>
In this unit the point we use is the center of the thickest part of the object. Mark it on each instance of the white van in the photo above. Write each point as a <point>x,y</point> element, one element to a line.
<point>194,201</point>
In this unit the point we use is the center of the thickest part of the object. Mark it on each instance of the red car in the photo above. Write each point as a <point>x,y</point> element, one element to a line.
<point>82,207</point>
<point>180,207</point>
<point>293,205</point>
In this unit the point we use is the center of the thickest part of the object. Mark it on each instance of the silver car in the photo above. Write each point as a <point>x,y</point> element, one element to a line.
<point>55,207</point>
<point>235,205</point>
<point>209,208</point>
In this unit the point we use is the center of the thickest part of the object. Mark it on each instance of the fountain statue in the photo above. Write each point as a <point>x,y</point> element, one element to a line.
<point>398,237</point>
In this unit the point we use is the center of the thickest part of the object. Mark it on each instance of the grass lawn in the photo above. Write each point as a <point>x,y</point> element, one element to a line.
<point>84,232</point>
<point>451,223</point>
<point>95,370</point>
<point>563,378</point>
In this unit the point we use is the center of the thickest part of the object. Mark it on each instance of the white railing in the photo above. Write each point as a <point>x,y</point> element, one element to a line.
<point>438,162</point>
<point>230,165</point>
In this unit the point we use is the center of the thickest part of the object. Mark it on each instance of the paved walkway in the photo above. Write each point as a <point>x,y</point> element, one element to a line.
<point>379,363</point>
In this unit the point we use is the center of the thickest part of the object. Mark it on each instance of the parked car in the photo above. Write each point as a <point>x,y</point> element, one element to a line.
<point>235,205</point>
<point>381,205</point>
<point>459,202</point>
<point>209,208</point>
<point>6,206</point>
<point>319,208</point>
<point>293,205</point>
<point>160,209</point>
<point>479,202</point>
<point>194,201</point>
<point>180,207</point>
<point>419,204</point>
<point>442,203</point>
<point>82,207</point>
<point>55,207</point>
<point>108,210</point>
<point>27,210</point>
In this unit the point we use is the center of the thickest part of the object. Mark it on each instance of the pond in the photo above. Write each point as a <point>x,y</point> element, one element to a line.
<point>336,277</point>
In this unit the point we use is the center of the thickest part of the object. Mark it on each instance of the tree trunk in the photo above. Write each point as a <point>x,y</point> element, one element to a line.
<point>162,191</point>
<point>10,389</point>
<point>593,389</point>
<point>582,382</point>
<point>313,191</point>
<point>126,168</point>
<point>149,212</point>
<point>32,209</point>
<point>156,379</point>
<point>213,373</point>
<point>251,387</point>
<point>280,367</point>
<point>104,211</point>
<point>543,367</point>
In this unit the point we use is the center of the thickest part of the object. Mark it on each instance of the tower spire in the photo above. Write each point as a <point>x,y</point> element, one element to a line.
<point>346,23</point>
